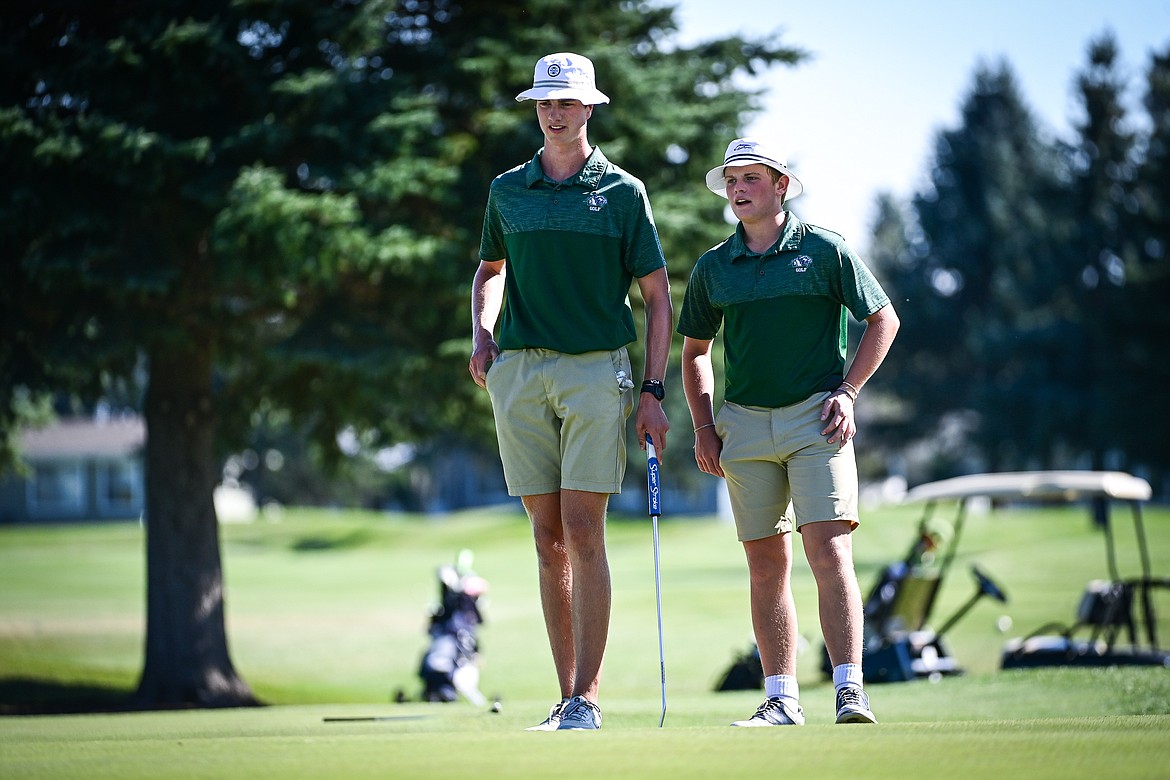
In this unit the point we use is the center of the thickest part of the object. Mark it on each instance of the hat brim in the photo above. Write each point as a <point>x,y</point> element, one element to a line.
<point>590,97</point>
<point>716,184</point>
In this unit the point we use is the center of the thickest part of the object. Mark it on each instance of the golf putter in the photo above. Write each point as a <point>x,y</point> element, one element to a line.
<point>654,491</point>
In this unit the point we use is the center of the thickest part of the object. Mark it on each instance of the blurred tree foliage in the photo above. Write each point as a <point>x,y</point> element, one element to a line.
<point>1142,327</point>
<point>271,208</point>
<point>1103,252</point>
<point>1030,276</point>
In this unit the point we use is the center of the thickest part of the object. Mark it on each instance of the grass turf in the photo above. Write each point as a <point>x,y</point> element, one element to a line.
<point>327,614</point>
<point>458,741</point>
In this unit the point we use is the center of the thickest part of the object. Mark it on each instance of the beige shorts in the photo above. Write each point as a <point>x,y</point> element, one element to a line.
<point>781,470</point>
<point>561,419</point>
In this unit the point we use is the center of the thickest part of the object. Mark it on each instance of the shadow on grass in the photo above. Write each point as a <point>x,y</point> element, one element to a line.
<point>25,696</point>
<point>342,542</point>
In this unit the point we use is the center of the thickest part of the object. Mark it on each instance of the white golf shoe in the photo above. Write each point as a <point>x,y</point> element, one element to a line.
<point>554,718</point>
<point>775,712</point>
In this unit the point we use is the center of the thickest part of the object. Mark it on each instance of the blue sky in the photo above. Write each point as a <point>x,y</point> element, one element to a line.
<point>885,77</point>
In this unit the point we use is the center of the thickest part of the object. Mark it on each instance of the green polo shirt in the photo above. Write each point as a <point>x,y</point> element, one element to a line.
<point>783,312</point>
<point>572,249</point>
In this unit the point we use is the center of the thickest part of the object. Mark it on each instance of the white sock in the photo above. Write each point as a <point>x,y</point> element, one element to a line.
<point>783,686</point>
<point>847,674</point>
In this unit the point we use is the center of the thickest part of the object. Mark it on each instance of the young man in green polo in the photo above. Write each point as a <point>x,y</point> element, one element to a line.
<point>783,438</point>
<point>564,237</point>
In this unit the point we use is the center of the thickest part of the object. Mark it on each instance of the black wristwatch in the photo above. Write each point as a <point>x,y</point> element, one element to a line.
<point>655,388</point>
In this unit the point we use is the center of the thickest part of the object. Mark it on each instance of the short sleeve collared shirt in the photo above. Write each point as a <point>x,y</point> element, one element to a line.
<point>572,249</point>
<point>783,312</point>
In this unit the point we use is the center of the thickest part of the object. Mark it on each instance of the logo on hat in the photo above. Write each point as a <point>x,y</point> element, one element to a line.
<point>749,151</point>
<point>564,76</point>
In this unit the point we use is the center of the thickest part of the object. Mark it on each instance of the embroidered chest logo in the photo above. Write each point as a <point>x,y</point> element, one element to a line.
<point>801,264</point>
<point>597,201</point>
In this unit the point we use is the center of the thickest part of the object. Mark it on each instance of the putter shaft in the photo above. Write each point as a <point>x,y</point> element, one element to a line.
<point>654,491</point>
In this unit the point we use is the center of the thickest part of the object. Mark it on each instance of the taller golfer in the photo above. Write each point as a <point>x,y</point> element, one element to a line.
<point>564,237</point>
<point>783,438</point>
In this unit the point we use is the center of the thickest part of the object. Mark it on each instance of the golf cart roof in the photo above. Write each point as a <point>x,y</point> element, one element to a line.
<point>1049,485</point>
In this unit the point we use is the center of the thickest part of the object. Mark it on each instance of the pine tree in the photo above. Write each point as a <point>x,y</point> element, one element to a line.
<point>980,330</point>
<point>1095,287</point>
<point>276,206</point>
<point>1139,337</point>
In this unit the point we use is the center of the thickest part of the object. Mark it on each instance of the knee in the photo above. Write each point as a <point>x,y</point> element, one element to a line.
<point>769,579</point>
<point>585,541</point>
<point>768,562</point>
<point>550,544</point>
<point>829,552</point>
<point>583,526</point>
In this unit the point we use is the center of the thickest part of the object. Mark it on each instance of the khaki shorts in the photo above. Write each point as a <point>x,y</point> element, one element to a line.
<point>561,419</point>
<point>780,468</point>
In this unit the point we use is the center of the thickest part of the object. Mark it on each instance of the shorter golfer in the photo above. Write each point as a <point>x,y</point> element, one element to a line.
<point>780,289</point>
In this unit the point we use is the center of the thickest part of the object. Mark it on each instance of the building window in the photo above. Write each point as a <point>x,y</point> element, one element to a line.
<point>119,488</point>
<point>57,489</point>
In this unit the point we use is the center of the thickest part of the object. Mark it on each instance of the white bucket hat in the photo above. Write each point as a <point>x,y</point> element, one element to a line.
<point>564,76</point>
<point>746,151</point>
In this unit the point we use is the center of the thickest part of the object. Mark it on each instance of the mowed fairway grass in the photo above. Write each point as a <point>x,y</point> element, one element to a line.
<point>327,614</point>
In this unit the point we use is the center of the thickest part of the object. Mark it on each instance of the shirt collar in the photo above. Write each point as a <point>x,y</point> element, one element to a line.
<point>588,177</point>
<point>789,240</point>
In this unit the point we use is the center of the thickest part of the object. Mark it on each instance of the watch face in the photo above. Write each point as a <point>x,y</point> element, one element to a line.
<point>655,389</point>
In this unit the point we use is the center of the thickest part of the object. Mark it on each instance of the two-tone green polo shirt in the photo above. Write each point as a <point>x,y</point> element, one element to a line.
<point>572,249</point>
<point>784,312</point>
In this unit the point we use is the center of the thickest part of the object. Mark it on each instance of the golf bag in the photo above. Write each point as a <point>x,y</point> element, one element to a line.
<point>746,672</point>
<point>450,665</point>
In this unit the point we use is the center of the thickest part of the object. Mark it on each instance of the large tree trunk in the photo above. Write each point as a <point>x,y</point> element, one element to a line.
<point>187,661</point>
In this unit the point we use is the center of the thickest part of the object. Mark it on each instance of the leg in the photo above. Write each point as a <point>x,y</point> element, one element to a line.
<point>569,528</point>
<point>583,516</point>
<point>774,622</point>
<point>829,549</point>
<point>773,610</point>
<point>556,583</point>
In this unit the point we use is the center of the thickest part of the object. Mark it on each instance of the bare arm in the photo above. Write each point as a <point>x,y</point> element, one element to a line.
<point>880,329</point>
<point>699,386</point>
<point>651,418</point>
<point>487,297</point>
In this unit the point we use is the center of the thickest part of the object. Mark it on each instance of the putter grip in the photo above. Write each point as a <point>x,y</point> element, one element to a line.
<point>653,490</point>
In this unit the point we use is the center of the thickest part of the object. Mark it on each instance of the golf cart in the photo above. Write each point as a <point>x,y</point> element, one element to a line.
<point>899,644</point>
<point>1107,606</point>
